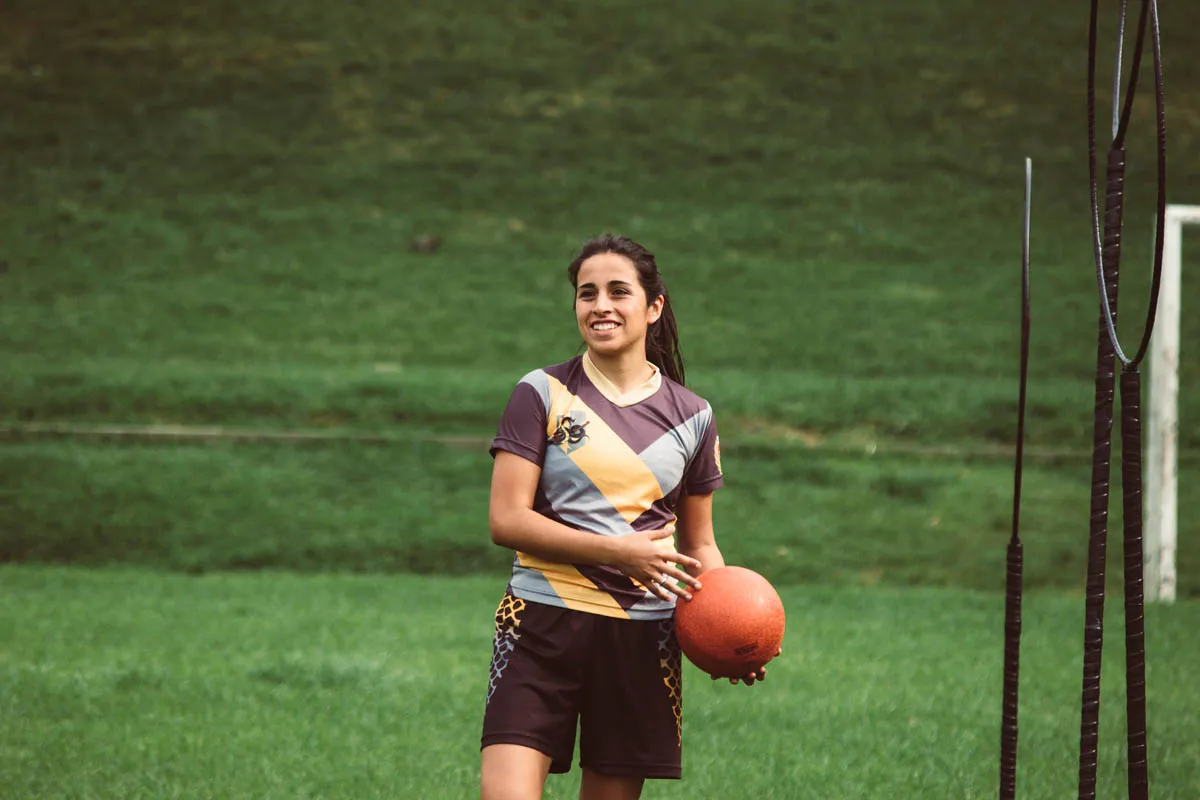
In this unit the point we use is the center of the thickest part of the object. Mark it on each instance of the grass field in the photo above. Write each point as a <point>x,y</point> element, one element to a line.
<point>796,516</point>
<point>206,216</point>
<point>286,686</point>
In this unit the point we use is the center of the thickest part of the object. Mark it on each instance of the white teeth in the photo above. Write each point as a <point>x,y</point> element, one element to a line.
<point>604,326</point>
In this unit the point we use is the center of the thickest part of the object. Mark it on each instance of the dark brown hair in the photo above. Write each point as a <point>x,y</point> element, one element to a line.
<point>662,338</point>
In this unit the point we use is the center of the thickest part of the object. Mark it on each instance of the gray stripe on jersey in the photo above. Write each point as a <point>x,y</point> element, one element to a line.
<point>662,456</point>
<point>640,613</point>
<point>540,381</point>
<point>526,582</point>
<point>651,608</point>
<point>576,499</point>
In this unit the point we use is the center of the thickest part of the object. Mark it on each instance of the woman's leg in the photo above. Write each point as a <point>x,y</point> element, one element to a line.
<point>513,772</point>
<point>597,786</point>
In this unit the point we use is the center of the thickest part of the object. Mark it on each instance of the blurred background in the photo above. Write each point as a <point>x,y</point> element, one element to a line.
<point>268,272</point>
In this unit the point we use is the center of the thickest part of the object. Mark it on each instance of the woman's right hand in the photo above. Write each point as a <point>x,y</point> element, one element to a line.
<point>640,557</point>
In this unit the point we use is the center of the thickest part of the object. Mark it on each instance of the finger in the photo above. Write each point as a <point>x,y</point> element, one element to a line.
<point>680,575</point>
<point>754,677</point>
<point>660,588</point>
<point>676,589</point>
<point>665,581</point>
<point>682,560</point>
<point>662,533</point>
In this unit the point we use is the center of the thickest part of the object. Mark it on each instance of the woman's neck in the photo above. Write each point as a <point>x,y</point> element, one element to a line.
<point>627,371</point>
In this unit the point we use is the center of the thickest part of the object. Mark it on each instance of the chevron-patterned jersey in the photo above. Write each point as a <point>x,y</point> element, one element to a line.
<point>610,466</point>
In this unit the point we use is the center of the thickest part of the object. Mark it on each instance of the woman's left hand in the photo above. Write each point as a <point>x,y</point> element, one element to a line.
<point>753,677</point>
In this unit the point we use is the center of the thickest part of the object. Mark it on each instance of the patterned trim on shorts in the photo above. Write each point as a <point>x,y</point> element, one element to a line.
<point>669,660</point>
<point>508,621</point>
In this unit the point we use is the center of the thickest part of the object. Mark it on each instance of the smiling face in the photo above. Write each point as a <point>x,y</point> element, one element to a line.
<point>611,306</point>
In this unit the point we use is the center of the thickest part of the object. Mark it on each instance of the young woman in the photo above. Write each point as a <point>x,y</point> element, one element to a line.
<point>604,471</point>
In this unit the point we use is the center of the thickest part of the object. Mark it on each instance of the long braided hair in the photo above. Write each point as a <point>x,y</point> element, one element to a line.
<point>662,337</point>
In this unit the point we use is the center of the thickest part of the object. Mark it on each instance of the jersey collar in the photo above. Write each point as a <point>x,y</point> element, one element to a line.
<point>612,393</point>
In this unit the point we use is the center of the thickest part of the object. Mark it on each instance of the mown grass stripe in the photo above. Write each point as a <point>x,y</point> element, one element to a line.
<point>197,433</point>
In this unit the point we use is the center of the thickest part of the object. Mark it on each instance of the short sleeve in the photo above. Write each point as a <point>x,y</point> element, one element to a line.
<point>522,429</point>
<point>704,472</point>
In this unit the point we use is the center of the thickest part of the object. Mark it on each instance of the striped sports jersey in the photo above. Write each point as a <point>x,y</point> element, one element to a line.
<point>610,465</point>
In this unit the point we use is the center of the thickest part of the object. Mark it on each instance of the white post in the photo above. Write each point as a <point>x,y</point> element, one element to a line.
<point>1161,464</point>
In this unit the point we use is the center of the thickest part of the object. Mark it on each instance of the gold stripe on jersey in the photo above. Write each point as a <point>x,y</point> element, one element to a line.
<point>577,592</point>
<point>607,460</point>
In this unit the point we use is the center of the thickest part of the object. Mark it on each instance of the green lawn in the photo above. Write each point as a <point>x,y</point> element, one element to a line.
<point>130,684</point>
<point>795,515</point>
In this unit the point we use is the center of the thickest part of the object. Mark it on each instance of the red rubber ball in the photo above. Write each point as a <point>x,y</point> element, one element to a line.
<point>733,625</point>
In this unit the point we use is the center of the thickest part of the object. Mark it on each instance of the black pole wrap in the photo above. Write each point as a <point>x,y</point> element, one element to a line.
<point>1114,210</point>
<point>1106,254</point>
<point>1012,671</point>
<point>1093,632</point>
<point>1135,628</point>
<point>1016,558</point>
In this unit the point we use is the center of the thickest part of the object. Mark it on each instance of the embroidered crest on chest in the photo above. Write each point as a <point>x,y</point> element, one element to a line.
<point>570,431</point>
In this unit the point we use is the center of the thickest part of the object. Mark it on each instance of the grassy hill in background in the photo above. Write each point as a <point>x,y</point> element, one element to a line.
<point>208,213</point>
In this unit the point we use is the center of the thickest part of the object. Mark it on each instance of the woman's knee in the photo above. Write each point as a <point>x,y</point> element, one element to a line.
<point>597,786</point>
<point>512,772</point>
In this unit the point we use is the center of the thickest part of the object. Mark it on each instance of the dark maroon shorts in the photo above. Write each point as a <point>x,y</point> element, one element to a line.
<point>618,680</point>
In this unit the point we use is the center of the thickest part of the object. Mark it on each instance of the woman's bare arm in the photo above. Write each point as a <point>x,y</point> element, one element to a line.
<point>514,524</point>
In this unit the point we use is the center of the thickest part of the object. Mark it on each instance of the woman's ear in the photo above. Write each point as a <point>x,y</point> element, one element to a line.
<point>655,310</point>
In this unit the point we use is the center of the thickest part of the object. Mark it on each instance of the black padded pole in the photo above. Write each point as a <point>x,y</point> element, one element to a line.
<point>1107,254</point>
<point>1012,671</point>
<point>1013,582</point>
<point>1093,633</point>
<point>1135,627</point>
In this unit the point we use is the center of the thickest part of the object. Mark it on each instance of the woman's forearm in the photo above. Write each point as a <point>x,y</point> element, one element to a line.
<point>527,531</point>
<point>709,556</point>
